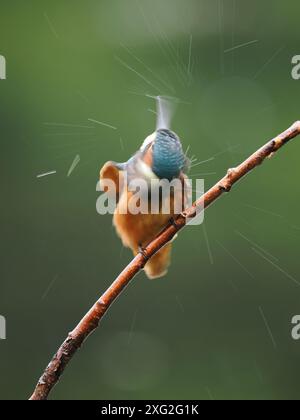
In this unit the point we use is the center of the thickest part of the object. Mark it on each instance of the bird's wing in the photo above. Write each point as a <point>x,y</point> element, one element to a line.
<point>111,172</point>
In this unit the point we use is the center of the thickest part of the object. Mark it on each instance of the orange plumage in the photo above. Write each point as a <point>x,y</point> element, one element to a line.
<point>138,230</point>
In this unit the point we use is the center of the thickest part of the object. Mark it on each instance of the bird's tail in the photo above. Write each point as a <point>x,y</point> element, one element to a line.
<point>158,265</point>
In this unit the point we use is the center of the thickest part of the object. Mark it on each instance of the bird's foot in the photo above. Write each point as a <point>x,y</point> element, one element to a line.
<point>142,251</point>
<point>172,222</point>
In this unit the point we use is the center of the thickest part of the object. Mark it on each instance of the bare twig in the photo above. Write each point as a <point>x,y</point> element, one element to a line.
<point>91,320</point>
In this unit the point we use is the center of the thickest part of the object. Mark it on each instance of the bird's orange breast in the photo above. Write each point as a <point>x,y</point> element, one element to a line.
<point>137,229</point>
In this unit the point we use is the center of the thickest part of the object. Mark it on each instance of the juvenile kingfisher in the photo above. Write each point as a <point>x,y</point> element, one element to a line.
<point>160,157</point>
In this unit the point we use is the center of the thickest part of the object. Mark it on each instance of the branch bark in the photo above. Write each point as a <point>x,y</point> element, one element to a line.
<point>91,320</point>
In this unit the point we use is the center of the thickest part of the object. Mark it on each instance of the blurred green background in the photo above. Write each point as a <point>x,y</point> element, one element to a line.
<point>218,326</point>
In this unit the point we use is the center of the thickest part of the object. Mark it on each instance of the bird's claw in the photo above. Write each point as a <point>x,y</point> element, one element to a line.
<point>173,222</point>
<point>142,251</point>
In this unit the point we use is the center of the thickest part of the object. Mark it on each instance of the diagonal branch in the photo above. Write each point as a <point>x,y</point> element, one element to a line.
<point>91,320</point>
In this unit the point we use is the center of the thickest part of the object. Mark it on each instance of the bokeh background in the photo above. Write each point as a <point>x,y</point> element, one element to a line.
<point>218,326</point>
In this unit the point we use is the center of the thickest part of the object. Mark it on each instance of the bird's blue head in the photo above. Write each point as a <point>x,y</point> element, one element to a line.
<point>168,158</point>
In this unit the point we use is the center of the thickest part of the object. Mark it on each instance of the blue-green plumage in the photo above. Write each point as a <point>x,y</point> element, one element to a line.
<point>168,157</point>
<point>164,153</point>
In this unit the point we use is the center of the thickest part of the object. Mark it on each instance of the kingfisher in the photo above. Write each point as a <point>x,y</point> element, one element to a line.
<point>160,158</point>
